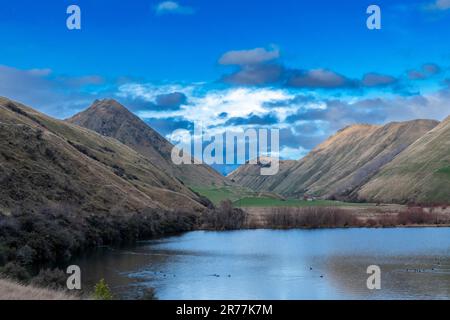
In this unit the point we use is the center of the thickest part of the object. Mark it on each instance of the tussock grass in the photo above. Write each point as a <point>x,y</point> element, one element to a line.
<point>10,290</point>
<point>225,217</point>
<point>420,216</point>
<point>335,217</point>
<point>311,217</point>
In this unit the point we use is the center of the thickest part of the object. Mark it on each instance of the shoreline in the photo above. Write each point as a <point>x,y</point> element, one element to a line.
<point>228,218</point>
<point>417,226</point>
<point>13,290</point>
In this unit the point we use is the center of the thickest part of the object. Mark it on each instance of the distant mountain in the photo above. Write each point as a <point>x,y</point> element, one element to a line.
<point>44,161</point>
<point>421,173</point>
<point>110,118</point>
<point>341,165</point>
<point>249,175</point>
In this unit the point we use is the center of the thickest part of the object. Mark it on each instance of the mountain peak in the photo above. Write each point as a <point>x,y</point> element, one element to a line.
<point>105,113</point>
<point>110,118</point>
<point>356,127</point>
<point>108,105</point>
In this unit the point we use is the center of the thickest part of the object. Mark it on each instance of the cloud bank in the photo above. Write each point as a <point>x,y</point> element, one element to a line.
<point>306,106</point>
<point>172,7</point>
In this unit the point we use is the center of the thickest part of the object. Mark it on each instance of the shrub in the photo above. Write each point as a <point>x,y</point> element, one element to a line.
<point>371,223</point>
<point>102,291</point>
<point>52,234</point>
<point>5,254</point>
<point>225,217</point>
<point>415,215</point>
<point>15,271</point>
<point>52,279</point>
<point>25,255</point>
<point>311,217</point>
<point>387,221</point>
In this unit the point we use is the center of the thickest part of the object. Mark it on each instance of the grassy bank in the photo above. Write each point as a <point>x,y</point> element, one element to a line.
<point>338,217</point>
<point>33,244</point>
<point>11,290</point>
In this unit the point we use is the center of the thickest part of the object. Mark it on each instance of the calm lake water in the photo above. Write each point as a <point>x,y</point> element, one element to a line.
<point>270,264</point>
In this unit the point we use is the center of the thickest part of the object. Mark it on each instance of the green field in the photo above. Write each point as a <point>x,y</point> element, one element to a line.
<point>445,170</point>
<point>216,195</point>
<point>244,197</point>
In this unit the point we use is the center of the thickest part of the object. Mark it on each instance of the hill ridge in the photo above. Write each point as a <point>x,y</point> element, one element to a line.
<point>340,165</point>
<point>46,161</point>
<point>110,118</point>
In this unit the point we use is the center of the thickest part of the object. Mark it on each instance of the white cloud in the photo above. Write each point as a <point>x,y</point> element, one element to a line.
<point>443,4</point>
<point>439,5</point>
<point>293,153</point>
<point>227,109</point>
<point>207,105</point>
<point>172,7</point>
<point>149,91</point>
<point>214,107</point>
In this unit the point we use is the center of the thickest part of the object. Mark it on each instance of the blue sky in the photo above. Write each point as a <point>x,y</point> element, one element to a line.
<point>306,67</point>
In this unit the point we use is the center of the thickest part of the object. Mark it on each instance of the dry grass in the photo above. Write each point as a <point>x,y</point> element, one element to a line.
<point>225,217</point>
<point>338,217</point>
<point>45,161</point>
<point>10,290</point>
<point>311,217</point>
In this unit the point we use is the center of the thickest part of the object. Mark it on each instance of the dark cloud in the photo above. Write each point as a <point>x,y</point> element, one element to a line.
<point>249,57</point>
<point>267,74</point>
<point>260,67</point>
<point>427,70</point>
<point>340,114</point>
<point>254,67</point>
<point>307,136</point>
<point>431,68</point>
<point>171,100</point>
<point>268,119</point>
<point>259,74</point>
<point>377,80</point>
<point>319,79</point>
<point>169,125</point>
<point>298,100</point>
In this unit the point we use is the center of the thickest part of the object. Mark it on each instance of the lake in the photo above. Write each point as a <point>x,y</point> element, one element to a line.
<point>276,264</point>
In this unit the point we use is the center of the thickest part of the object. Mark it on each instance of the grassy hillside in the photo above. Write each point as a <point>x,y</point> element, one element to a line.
<point>249,176</point>
<point>271,202</point>
<point>110,118</point>
<point>341,165</point>
<point>45,161</point>
<point>233,193</point>
<point>65,189</point>
<point>419,174</point>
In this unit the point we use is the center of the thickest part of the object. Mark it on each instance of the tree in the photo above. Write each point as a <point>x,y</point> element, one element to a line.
<point>102,291</point>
